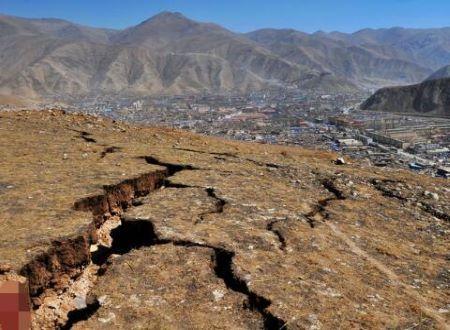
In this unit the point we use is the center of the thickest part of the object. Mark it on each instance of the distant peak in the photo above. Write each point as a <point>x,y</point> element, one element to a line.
<point>168,15</point>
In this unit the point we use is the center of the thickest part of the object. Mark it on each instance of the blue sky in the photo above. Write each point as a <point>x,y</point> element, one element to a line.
<point>245,15</point>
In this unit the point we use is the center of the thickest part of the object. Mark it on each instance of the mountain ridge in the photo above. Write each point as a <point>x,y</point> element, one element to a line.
<point>172,54</point>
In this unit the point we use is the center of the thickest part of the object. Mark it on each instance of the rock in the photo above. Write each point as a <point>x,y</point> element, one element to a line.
<point>4,268</point>
<point>340,161</point>
<point>111,316</point>
<point>218,295</point>
<point>432,195</point>
<point>80,302</point>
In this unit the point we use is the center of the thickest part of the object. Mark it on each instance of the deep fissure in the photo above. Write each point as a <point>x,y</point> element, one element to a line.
<point>70,257</point>
<point>136,234</point>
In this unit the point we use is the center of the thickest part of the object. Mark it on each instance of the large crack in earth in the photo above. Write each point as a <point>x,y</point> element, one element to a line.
<point>136,234</point>
<point>59,271</point>
<point>53,275</point>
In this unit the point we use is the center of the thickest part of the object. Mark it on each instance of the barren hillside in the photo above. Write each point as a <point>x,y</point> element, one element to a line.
<point>430,97</point>
<point>114,226</point>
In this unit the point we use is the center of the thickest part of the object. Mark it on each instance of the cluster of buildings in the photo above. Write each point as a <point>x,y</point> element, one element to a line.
<point>292,117</point>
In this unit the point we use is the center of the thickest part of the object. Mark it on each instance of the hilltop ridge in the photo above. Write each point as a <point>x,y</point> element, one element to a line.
<point>432,97</point>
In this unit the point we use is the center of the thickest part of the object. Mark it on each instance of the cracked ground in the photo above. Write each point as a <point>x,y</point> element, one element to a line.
<point>114,226</point>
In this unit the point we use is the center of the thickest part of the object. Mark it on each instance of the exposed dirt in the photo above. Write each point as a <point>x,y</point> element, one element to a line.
<point>172,230</point>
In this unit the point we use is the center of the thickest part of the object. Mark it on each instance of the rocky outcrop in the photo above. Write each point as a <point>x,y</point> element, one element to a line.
<point>431,97</point>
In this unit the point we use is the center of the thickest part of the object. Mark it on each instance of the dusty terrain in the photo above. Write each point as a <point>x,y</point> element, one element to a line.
<point>124,227</point>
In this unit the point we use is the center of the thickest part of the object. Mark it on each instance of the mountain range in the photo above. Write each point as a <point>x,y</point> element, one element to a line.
<point>171,54</point>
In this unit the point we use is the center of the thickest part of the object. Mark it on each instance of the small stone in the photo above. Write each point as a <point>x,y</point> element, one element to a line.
<point>340,161</point>
<point>4,268</point>
<point>111,316</point>
<point>80,302</point>
<point>218,295</point>
<point>431,195</point>
<point>102,300</point>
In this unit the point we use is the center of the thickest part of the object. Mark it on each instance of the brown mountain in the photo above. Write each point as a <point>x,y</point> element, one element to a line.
<point>429,97</point>
<point>365,65</point>
<point>428,47</point>
<point>166,54</point>
<point>171,54</point>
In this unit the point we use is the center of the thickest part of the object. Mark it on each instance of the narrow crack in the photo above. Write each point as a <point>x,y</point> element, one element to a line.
<point>263,164</point>
<point>230,155</point>
<point>171,168</point>
<point>277,233</point>
<point>321,206</point>
<point>219,204</point>
<point>329,185</point>
<point>225,154</point>
<point>85,136</point>
<point>381,185</point>
<point>170,184</point>
<point>109,150</point>
<point>434,212</point>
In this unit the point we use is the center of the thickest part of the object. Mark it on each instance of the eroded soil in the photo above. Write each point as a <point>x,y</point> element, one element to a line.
<point>116,226</point>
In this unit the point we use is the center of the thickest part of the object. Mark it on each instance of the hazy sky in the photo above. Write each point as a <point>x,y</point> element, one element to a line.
<point>245,15</point>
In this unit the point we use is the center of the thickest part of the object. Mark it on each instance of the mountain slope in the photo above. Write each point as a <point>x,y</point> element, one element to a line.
<point>429,97</point>
<point>171,54</point>
<point>167,54</point>
<point>429,47</point>
<point>366,66</point>
<point>441,73</point>
<point>245,65</point>
<point>55,28</point>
